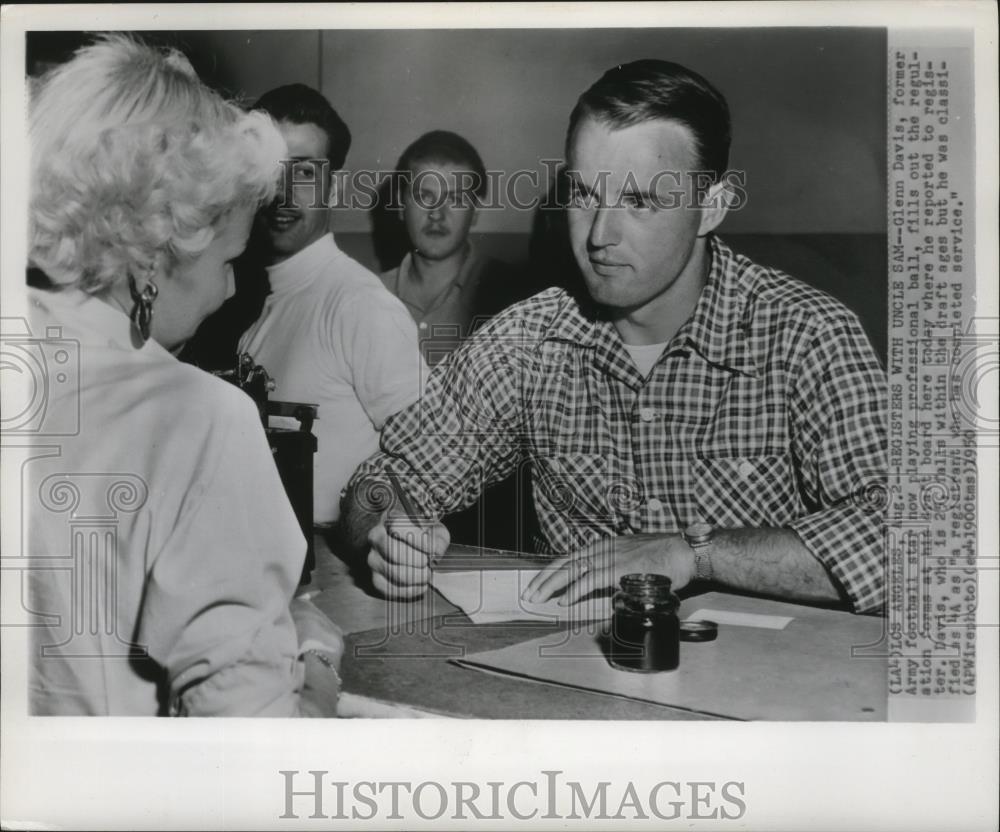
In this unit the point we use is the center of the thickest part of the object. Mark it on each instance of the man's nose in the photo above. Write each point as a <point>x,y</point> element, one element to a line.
<point>437,211</point>
<point>604,228</point>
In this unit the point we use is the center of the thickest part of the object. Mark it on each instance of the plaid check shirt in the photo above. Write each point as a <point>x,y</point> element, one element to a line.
<point>767,409</point>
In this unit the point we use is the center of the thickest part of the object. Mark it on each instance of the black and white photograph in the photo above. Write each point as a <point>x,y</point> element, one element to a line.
<point>583,415</point>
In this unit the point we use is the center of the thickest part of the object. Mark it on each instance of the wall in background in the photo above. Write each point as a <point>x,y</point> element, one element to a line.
<point>249,63</point>
<point>808,105</point>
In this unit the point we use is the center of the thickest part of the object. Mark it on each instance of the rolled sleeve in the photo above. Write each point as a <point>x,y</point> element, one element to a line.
<point>841,445</point>
<point>848,542</point>
<point>263,681</point>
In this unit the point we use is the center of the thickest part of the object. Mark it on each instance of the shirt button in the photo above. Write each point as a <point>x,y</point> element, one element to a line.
<point>746,470</point>
<point>423,324</point>
<point>654,504</point>
<point>647,414</point>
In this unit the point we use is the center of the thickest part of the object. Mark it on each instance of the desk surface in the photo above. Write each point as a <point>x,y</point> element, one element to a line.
<point>404,654</point>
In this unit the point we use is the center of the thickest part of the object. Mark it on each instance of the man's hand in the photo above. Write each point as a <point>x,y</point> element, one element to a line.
<point>401,550</point>
<point>602,564</point>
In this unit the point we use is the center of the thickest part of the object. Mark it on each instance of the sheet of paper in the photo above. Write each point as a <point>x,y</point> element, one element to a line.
<point>806,671</point>
<point>490,596</point>
<point>286,422</point>
<point>741,619</point>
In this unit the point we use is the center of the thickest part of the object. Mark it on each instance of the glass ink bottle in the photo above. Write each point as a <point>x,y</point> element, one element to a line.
<point>645,630</point>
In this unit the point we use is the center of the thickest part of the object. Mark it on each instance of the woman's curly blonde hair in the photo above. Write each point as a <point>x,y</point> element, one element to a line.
<point>134,161</point>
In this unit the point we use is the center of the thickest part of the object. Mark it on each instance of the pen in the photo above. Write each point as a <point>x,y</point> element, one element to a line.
<point>402,496</point>
<point>407,505</point>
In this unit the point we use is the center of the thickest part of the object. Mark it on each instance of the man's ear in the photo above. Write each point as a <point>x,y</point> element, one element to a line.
<point>714,205</point>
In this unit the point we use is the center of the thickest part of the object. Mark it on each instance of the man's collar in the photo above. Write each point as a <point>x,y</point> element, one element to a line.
<point>576,325</point>
<point>716,328</point>
<point>305,260</point>
<point>469,265</point>
<point>581,324</point>
<point>469,262</point>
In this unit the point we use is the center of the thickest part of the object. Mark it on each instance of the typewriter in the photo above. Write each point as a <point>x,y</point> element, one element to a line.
<point>292,448</point>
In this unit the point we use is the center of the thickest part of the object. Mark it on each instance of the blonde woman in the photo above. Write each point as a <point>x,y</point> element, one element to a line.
<point>143,186</point>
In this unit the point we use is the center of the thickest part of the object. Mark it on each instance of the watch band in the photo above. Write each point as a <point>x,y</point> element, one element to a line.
<point>699,537</point>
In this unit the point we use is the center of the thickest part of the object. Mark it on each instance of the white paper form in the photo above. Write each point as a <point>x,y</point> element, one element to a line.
<point>741,619</point>
<point>489,596</point>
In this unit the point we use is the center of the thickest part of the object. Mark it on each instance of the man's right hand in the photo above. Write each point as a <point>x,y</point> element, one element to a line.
<point>401,551</point>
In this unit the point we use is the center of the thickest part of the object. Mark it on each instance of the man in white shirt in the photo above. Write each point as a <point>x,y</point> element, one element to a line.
<point>329,333</point>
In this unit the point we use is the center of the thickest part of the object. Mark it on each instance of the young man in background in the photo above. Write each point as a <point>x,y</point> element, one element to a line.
<point>329,332</point>
<point>448,286</point>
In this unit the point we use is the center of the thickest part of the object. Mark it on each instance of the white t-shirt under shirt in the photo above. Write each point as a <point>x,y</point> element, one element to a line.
<point>331,334</point>
<point>644,356</point>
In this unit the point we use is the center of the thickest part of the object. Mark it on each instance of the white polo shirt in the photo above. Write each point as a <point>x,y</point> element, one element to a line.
<point>331,334</point>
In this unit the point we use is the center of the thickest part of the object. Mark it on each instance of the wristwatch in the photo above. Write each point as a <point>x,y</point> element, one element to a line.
<point>699,537</point>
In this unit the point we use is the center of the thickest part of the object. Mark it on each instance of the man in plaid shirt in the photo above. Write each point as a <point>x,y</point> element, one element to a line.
<point>695,415</point>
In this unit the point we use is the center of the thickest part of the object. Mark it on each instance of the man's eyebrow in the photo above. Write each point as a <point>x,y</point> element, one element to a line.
<point>446,192</point>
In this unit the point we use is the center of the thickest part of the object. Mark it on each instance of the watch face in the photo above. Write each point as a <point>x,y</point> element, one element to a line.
<point>698,533</point>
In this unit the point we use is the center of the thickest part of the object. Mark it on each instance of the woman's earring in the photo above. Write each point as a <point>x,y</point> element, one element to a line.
<point>142,312</point>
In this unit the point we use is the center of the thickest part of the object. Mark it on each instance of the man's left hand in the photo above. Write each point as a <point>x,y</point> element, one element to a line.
<point>602,564</point>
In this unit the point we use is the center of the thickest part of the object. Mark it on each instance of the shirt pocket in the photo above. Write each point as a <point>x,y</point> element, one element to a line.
<point>746,491</point>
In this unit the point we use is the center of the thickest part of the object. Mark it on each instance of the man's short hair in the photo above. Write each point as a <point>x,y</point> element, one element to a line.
<point>651,90</point>
<point>299,104</point>
<point>445,147</point>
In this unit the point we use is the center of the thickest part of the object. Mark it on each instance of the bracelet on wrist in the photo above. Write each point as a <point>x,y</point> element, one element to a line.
<point>325,660</point>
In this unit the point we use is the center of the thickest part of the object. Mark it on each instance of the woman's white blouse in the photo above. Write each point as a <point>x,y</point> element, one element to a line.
<point>167,551</point>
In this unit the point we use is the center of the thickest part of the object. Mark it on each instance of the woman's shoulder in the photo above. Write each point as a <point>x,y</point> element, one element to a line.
<point>196,397</point>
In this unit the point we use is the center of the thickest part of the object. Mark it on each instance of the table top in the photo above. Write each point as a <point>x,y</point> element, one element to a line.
<point>402,657</point>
